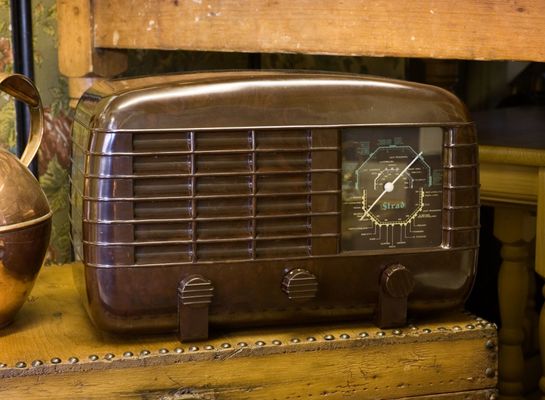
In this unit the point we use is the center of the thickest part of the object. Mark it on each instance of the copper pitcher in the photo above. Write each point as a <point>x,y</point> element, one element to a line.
<point>25,216</point>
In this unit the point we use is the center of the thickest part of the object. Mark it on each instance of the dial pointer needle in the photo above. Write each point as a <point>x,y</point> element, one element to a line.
<point>389,186</point>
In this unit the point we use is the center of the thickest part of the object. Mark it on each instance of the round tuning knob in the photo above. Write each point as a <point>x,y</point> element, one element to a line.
<point>397,281</point>
<point>300,285</point>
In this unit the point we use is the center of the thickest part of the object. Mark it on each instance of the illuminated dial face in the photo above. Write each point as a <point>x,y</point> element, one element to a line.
<point>392,188</point>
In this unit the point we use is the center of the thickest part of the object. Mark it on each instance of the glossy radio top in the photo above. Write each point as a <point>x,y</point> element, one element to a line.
<point>252,99</point>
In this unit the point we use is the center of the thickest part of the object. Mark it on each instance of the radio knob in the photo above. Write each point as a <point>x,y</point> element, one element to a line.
<point>195,291</point>
<point>300,285</point>
<point>397,281</point>
<point>195,295</point>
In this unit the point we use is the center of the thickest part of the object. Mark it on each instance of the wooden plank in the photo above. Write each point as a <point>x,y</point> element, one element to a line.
<point>465,29</point>
<point>450,355</point>
<point>488,394</point>
<point>508,183</point>
<point>75,37</point>
<point>78,56</point>
<point>512,155</point>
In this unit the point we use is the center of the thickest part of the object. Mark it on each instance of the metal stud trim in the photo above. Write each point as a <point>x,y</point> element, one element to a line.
<point>490,373</point>
<point>490,344</point>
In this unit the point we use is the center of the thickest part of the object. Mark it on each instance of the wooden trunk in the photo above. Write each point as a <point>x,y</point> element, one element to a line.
<point>52,351</point>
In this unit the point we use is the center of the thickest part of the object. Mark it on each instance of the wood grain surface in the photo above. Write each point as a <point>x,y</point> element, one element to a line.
<point>508,183</point>
<point>451,355</point>
<point>466,29</point>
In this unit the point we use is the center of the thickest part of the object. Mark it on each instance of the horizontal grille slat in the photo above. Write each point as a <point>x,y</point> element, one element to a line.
<point>171,231</point>
<point>285,226</point>
<point>223,141</point>
<point>223,230</point>
<point>162,209</point>
<point>281,161</point>
<point>223,207</point>
<point>162,254</point>
<point>162,186</point>
<point>213,185</point>
<point>224,251</point>
<point>158,164</point>
<point>148,142</point>
<point>288,139</point>
<point>282,248</point>
<point>283,183</point>
<point>206,163</point>
<point>283,205</point>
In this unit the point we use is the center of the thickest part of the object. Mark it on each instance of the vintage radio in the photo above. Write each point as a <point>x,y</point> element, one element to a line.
<point>235,198</point>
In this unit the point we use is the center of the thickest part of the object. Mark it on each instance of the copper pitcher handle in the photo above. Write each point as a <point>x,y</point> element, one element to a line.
<point>22,88</point>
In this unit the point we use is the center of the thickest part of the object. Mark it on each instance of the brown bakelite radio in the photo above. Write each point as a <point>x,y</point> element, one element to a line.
<point>237,198</point>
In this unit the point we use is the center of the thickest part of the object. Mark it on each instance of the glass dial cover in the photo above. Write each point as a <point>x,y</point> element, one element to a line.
<point>392,189</point>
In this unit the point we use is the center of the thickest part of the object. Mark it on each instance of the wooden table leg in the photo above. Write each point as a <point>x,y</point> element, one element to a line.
<point>540,264</point>
<point>542,346</point>
<point>511,227</point>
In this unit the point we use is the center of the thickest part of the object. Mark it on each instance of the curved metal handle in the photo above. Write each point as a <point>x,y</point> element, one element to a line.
<point>22,88</point>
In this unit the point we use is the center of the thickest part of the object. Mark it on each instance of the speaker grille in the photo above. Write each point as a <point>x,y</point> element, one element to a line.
<point>235,195</point>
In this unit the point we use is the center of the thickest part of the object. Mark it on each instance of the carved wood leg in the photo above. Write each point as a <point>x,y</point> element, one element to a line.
<point>511,228</point>
<point>531,319</point>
